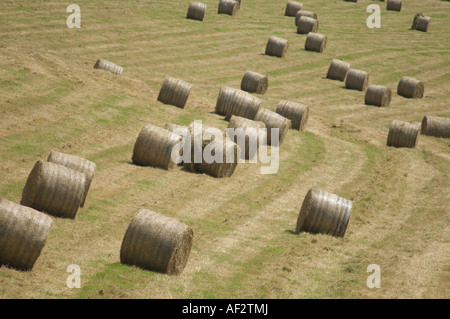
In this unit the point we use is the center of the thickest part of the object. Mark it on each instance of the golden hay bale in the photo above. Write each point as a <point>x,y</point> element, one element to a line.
<point>174,92</point>
<point>306,25</point>
<point>108,66</point>
<point>154,146</point>
<point>357,80</point>
<point>229,7</point>
<point>277,46</point>
<point>54,189</point>
<point>253,82</point>
<point>378,95</point>
<point>338,70</point>
<point>403,134</point>
<point>236,102</point>
<point>394,5</point>
<point>423,24</point>
<point>292,7</point>
<point>410,88</point>
<point>23,233</point>
<point>76,163</point>
<point>196,11</point>
<point>324,213</point>
<point>303,13</point>
<point>316,42</point>
<point>157,243</point>
<point>273,121</point>
<point>248,131</point>
<point>436,126</point>
<point>296,112</point>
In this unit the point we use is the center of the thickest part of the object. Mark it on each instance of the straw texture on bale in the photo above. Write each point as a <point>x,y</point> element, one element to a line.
<point>78,164</point>
<point>316,42</point>
<point>436,126</point>
<point>403,134</point>
<point>303,13</point>
<point>275,121</point>
<point>338,70</point>
<point>416,20</point>
<point>249,131</point>
<point>378,95</point>
<point>174,92</point>
<point>421,22</point>
<point>229,7</point>
<point>196,11</point>
<point>236,102</point>
<point>306,25</point>
<point>357,80</point>
<point>324,213</point>
<point>23,233</point>
<point>394,5</point>
<point>277,46</point>
<point>296,112</point>
<point>410,88</point>
<point>157,243</point>
<point>154,146</point>
<point>108,66</point>
<point>292,7</point>
<point>54,189</point>
<point>253,82</point>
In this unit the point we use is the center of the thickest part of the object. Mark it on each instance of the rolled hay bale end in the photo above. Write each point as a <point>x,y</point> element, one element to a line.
<point>78,164</point>
<point>306,25</point>
<point>410,88</point>
<point>102,64</point>
<point>196,11</point>
<point>54,189</point>
<point>253,82</point>
<point>273,121</point>
<point>357,80</point>
<point>403,134</point>
<point>174,92</point>
<point>394,5</point>
<point>23,234</point>
<point>338,70</point>
<point>303,13</point>
<point>248,131</point>
<point>157,243</point>
<point>277,47</point>
<point>229,7</point>
<point>378,95</point>
<point>324,213</point>
<point>153,147</point>
<point>423,24</point>
<point>436,126</point>
<point>316,42</point>
<point>236,102</point>
<point>296,112</point>
<point>292,7</point>
<point>416,20</point>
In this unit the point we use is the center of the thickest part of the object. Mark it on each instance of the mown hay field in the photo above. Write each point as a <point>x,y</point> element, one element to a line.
<point>245,245</point>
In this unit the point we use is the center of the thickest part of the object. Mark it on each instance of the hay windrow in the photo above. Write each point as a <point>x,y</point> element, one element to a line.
<point>306,25</point>
<point>247,130</point>
<point>196,11</point>
<point>296,112</point>
<point>403,134</point>
<point>174,92</point>
<point>338,70</point>
<point>292,7</point>
<point>277,46</point>
<point>273,121</point>
<point>410,88</point>
<point>357,80</point>
<point>436,126</point>
<point>108,66</point>
<point>303,13</point>
<point>378,95</point>
<point>316,42</point>
<point>253,82</point>
<point>236,102</point>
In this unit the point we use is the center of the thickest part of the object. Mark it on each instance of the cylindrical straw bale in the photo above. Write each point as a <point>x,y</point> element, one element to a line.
<point>416,20</point>
<point>236,102</point>
<point>357,80</point>
<point>338,70</point>
<point>316,42</point>
<point>108,66</point>
<point>174,92</point>
<point>248,132</point>
<point>436,126</point>
<point>273,121</point>
<point>378,95</point>
<point>303,13</point>
<point>306,25</point>
<point>296,112</point>
<point>324,213</point>
<point>292,7</point>
<point>157,243</point>
<point>196,11</point>
<point>277,46</point>
<point>410,88</point>
<point>403,134</point>
<point>423,24</point>
<point>394,5</point>
<point>23,233</point>
<point>253,82</point>
<point>54,189</point>
<point>229,7</point>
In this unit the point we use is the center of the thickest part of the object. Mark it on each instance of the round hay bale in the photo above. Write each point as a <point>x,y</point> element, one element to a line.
<point>157,243</point>
<point>174,92</point>
<point>248,130</point>
<point>403,134</point>
<point>423,24</point>
<point>292,7</point>
<point>303,13</point>
<point>277,46</point>
<point>436,126</point>
<point>394,5</point>
<point>306,25</point>
<point>296,112</point>
<point>316,42</point>
<point>229,7</point>
<point>378,95</point>
<point>154,146</point>
<point>236,102</point>
<point>410,88</point>
<point>253,82</point>
<point>54,189</point>
<point>357,80</point>
<point>23,233</point>
<point>78,164</point>
<point>196,11</point>
<point>338,70</point>
<point>108,66</point>
<point>324,213</point>
<point>273,121</point>
<point>416,20</point>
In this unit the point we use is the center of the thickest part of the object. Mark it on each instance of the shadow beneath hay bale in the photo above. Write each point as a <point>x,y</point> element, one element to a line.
<point>290,231</point>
